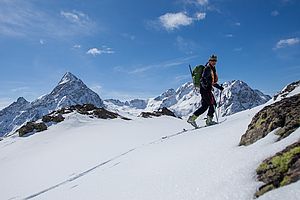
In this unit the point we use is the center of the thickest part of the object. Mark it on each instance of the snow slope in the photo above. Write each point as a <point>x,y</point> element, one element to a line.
<point>83,158</point>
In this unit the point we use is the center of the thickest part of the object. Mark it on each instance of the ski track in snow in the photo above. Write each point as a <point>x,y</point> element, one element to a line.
<point>77,176</point>
<point>104,163</point>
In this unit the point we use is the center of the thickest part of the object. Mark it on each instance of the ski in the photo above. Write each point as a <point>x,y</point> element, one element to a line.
<point>191,129</point>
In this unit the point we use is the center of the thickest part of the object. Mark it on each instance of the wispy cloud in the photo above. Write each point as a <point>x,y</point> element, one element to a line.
<point>42,42</point>
<point>229,35</point>
<point>181,78</point>
<point>286,43</point>
<point>27,19</point>
<point>202,2</point>
<point>200,15</point>
<point>165,64</point>
<point>274,13</point>
<point>238,49</point>
<point>196,2</point>
<point>185,45</point>
<point>20,89</point>
<point>128,36</point>
<point>76,17</point>
<point>98,51</point>
<point>77,46</point>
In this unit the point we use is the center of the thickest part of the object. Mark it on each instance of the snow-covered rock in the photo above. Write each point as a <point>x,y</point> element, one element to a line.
<point>69,91</point>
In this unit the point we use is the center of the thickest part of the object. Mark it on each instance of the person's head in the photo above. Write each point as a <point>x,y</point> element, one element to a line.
<point>212,60</point>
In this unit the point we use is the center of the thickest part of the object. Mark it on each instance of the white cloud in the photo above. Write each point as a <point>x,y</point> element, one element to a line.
<point>200,15</point>
<point>94,51</point>
<point>238,49</point>
<point>42,42</point>
<point>77,46</point>
<point>286,43</point>
<point>274,13</point>
<point>229,35</point>
<point>202,2</point>
<point>237,23</point>
<point>98,51</point>
<point>171,21</point>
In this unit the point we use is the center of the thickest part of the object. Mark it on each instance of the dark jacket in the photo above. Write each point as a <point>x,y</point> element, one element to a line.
<point>209,78</point>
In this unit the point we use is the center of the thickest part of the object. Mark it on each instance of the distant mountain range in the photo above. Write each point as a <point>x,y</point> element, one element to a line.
<point>237,96</point>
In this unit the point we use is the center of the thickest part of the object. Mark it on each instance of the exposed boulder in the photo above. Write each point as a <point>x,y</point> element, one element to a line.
<point>160,112</point>
<point>53,118</point>
<point>280,169</point>
<point>105,114</point>
<point>284,114</point>
<point>30,127</point>
<point>287,89</point>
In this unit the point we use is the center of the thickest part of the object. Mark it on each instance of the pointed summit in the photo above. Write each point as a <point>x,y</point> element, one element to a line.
<point>68,77</point>
<point>70,91</point>
<point>22,100</point>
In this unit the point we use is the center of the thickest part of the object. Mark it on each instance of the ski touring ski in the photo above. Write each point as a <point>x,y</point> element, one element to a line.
<point>190,129</point>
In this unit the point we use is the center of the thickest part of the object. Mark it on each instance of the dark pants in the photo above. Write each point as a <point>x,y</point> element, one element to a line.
<point>207,101</point>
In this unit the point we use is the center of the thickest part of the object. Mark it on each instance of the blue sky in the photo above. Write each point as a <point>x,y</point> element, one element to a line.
<point>138,49</point>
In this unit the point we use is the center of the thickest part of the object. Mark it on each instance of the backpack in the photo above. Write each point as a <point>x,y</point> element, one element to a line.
<point>197,75</point>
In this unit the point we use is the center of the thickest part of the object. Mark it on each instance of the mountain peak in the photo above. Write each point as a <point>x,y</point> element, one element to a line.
<point>22,100</point>
<point>68,77</point>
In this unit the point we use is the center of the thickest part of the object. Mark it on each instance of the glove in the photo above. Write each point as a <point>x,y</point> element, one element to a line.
<point>220,87</point>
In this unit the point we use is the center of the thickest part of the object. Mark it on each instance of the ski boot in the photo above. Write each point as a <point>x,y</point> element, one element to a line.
<point>209,121</point>
<point>192,120</point>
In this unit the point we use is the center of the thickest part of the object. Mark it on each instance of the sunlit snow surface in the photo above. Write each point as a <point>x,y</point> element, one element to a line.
<point>84,158</point>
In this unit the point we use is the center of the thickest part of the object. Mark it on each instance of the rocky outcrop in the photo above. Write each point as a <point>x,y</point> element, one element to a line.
<point>284,114</point>
<point>287,89</point>
<point>30,127</point>
<point>90,110</point>
<point>160,112</point>
<point>280,169</point>
<point>57,116</point>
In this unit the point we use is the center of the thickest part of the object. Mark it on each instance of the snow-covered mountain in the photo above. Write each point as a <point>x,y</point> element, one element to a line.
<point>237,96</point>
<point>89,158</point>
<point>69,91</point>
<point>135,103</point>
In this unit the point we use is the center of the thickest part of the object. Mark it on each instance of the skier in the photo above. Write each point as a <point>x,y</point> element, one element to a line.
<point>209,78</point>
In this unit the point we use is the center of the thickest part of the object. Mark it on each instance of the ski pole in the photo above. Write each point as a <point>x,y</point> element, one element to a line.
<point>219,103</point>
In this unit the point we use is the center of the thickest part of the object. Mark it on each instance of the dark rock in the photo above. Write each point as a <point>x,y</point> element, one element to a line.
<point>30,127</point>
<point>279,170</point>
<point>160,112</point>
<point>104,114</point>
<point>284,114</point>
<point>287,90</point>
<point>53,118</point>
